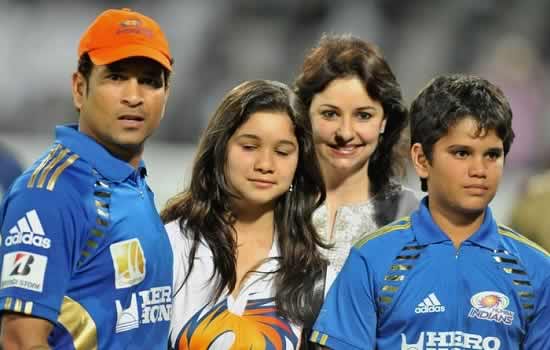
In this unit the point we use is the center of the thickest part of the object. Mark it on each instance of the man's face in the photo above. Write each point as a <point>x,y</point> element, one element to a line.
<point>465,170</point>
<point>121,104</point>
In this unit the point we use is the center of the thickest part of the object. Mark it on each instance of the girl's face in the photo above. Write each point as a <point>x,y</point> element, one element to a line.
<point>262,156</point>
<point>347,124</point>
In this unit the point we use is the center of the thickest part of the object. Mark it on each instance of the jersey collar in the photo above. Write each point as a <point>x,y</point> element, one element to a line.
<point>95,154</point>
<point>427,232</point>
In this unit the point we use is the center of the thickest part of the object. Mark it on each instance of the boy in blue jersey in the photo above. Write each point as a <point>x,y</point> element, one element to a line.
<point>448,276</point>
<point>85,260</point>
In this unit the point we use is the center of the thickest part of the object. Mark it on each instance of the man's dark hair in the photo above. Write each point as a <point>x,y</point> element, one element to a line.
<point>85,67</point>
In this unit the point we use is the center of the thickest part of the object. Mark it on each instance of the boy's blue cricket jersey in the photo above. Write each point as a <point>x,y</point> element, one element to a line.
<point>406,287</point>
<point>83,247</point>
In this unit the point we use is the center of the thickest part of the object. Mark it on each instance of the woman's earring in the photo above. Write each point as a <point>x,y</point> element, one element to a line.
<point>291,188</point>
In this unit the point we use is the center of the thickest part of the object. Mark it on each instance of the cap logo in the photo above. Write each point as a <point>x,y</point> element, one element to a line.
<point>130,23</point>
<point>134,26</point>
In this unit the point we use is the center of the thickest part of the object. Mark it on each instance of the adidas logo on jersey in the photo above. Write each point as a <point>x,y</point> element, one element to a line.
<point>29,231</point>
<point>430,304</point>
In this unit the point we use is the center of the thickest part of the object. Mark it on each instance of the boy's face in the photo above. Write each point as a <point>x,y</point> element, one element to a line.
<point>465,169</point>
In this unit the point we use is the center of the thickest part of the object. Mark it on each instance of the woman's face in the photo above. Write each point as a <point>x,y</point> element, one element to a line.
<point>262,156</point>
<point>347,124</point>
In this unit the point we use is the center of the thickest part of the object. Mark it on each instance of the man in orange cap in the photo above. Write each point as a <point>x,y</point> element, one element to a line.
<point>85,261</point>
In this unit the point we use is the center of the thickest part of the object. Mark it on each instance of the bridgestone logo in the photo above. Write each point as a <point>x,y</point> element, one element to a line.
<point>22,284</point>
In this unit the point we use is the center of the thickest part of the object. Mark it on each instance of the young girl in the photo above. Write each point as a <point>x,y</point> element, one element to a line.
<point>358,116</point>
<point>245,249</point>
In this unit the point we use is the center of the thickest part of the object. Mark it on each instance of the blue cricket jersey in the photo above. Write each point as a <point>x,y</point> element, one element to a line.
<point>83,247</point>
<point>406,287</point>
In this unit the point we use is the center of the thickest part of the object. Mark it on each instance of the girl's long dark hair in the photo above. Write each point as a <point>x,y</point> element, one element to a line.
<point>204,213</point>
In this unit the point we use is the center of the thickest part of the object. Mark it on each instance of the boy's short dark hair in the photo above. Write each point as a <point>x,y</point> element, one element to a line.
<point>448,99</point>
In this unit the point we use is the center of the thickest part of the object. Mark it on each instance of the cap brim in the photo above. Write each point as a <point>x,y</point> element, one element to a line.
<point>113,54</point>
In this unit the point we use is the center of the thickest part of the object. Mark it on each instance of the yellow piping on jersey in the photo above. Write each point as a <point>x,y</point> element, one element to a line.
<point>508,232</point>
<point>400,224</point>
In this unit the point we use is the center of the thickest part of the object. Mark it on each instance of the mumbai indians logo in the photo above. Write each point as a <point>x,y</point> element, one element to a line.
<point>129,263</point>
<point>491,306</point>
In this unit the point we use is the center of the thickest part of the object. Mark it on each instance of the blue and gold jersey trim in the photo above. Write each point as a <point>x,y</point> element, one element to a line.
<point>102,203</point>
<point>18,305</point>
<point>80,325</point>
<point>400,224</point>
<point>508,232</point>
<point>52,166</point>
<point>319,338</point>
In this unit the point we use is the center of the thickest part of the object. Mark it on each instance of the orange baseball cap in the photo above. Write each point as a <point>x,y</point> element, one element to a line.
<point>119,34</point>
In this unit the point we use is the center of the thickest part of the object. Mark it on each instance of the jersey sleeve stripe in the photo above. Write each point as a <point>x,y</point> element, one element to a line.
<point>49,168</point>
<point>7,304</point>
<point>28,308</point>
<point>55,163</point>
<point>319,338</point>
<point>18,305</point>
<point>39,168</point>
<point>58,171</point>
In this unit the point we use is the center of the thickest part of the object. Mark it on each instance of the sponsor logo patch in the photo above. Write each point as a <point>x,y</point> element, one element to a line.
<point>491,306</point>
<point>28,231</point>
<point>23,270</point>
<point>129,263</point>
<point>128,318</point>
<point>155,306</point>
<point>430,304</point>
<point>450,340</point>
